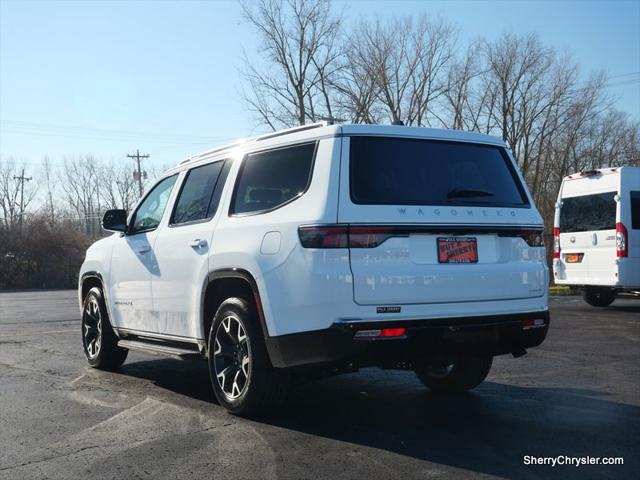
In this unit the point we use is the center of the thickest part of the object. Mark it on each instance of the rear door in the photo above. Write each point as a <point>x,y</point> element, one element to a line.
<point>437,222</point>
<point>588,237</point>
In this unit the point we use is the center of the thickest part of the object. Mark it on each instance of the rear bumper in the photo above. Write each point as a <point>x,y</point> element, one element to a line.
<point>484,335</point>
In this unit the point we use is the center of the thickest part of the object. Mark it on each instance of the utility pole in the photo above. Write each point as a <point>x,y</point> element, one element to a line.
<point>137,175</point>
<point>22,179</point>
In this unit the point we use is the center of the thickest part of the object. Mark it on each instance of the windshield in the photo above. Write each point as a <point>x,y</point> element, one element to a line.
<point>588,213</point>
<point>402,171</point>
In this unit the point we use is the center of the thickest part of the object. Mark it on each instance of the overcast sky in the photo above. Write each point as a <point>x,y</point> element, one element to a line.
<point>109,77</point>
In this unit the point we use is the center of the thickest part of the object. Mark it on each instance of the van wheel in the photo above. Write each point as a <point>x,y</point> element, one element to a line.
<point>99,342</point>
<point>462,375</point>
<point>243,379</point>
<point>598,297</point>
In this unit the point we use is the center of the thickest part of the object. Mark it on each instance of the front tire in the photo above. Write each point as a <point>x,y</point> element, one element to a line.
<point>463,374</point>
<point>598,297</point>
<point>242,377</point>
<point>99,342</point>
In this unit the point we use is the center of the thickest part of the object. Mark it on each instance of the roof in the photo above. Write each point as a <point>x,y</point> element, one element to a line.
<point>324,129</point>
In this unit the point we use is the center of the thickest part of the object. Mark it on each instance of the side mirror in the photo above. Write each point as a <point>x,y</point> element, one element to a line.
<point>115,220</point>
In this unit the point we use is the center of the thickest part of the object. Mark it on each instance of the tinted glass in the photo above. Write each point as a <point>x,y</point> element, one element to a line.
<point>399,171</point>
<point>270,179</point>
<point>150,211</point>
<point>635,210</point>
<point>588,213</point>
<point>195,196</point>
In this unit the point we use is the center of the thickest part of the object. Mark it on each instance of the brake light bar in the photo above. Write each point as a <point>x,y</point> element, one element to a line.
<point>371,236</point>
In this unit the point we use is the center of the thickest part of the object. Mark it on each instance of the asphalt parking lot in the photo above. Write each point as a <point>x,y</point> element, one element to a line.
<point>577,395</point>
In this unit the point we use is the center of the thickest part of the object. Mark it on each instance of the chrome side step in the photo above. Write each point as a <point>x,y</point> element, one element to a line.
<point>161,349</point>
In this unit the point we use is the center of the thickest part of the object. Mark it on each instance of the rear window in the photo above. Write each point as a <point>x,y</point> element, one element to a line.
<point>400,171</point>
<point>588,213</point>
<point>268,180</point>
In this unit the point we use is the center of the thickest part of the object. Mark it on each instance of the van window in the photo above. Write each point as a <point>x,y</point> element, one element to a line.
<point>588,213</point>
<point>635,210</point>
<point>402,171</point>
<point>196,193</point>
<point>268,180</point>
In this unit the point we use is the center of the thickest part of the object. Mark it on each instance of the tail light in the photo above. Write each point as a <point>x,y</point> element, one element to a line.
<point>335,236</point>
<point>534,238</point>
<point>556,242</point>
<point>325,236</point>
<point>622,243</point>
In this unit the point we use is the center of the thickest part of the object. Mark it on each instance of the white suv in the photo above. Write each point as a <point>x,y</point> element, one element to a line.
<point>322,249</point>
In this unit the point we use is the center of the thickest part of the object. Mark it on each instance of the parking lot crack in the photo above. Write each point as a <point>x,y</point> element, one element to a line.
<point>47,459</point>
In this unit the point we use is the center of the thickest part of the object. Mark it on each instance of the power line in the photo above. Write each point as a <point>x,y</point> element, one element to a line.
<point>624,74</point>
<point>90,131</point>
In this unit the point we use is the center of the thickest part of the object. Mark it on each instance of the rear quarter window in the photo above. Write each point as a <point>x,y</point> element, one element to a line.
<point>588,213</point>
<point>403,171</point>
<point>273,178</point>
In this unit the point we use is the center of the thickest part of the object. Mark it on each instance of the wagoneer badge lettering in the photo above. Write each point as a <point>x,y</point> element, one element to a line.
<point>455,212</point>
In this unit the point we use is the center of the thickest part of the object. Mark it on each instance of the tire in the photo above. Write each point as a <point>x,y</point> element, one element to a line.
<point>598,297</point>
<point>242,377</point>
<point>99,342</point>
<point>462,375</point>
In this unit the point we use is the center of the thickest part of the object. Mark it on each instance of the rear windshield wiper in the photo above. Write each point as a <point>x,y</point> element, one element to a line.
<point>463,193</point>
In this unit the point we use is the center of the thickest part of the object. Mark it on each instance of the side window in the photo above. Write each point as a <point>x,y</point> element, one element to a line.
<point>149,213</point>
<point>635,210</point>
<point>196,194</point>
<point>268,180</point>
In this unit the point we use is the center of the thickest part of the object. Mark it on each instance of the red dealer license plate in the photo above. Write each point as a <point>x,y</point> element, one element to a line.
<point>457,250</point>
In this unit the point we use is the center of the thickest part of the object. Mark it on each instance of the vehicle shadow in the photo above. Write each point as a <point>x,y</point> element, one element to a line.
<point>488,431</point>
<point>624,308</point>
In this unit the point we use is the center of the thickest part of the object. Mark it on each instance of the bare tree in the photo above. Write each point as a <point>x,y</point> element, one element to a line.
<point>49,205</point>
<point>118,187</point>
<point>403,62</point>
<point>80,181</point>
<point>298,39</point>
<point>16,194</point>
<point>458,109</point>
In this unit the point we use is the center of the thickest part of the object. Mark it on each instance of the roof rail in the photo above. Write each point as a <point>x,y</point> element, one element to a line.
<point>287,131</point>
<point>215,150</point>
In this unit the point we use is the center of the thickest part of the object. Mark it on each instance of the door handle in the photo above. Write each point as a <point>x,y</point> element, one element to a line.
<point>594,239</point>
<point>144,249</point>
<point>198,243</point>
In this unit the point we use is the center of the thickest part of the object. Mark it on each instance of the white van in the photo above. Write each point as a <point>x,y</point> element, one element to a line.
<point>597,233</point>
